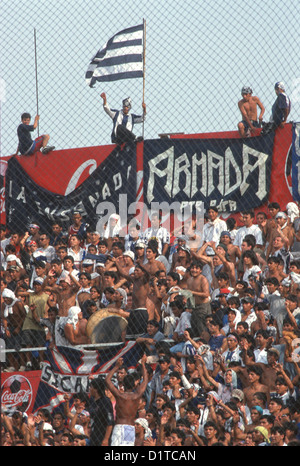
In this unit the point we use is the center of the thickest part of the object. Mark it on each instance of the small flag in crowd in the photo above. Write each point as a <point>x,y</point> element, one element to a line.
<point>120,58</point>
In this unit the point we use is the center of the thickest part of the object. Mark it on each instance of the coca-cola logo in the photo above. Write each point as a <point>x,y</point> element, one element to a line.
<point>17,393</point>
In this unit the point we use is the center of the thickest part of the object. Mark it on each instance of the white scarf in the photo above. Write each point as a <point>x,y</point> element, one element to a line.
<point>7,293</point>
<point>72,318</point>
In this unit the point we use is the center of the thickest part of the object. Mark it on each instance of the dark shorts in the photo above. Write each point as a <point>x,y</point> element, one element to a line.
<point>137,322</point>
<point>254,123</point>
<point>36,145</point>
<point>14,341</point>
<point>33,338</point>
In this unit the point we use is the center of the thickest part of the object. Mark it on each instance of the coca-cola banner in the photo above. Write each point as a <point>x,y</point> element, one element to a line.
<point>18,390</point>
<point>91,189</point>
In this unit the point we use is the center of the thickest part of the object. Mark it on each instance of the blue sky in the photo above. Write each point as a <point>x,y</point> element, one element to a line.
<point>198,56</point>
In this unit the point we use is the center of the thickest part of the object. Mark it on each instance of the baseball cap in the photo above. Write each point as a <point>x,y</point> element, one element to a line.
<point>279,85</point>
<point>239,394</point>
<point>140,244</point>
<point>129,254</point>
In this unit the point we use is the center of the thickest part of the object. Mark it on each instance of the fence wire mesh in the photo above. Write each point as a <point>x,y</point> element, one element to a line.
<point>55,239</point>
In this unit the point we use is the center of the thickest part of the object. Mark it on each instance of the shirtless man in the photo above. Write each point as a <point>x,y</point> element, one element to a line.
<point>127,403</point>
<point>199,286</point>
<point>152,265</point>
<point>234,252</point>
<point>66,289</point>
<point>140,314</point>
<point>248,108</point>
<point>269,370</point>
<point>71,330</point>
<point>255,384</point>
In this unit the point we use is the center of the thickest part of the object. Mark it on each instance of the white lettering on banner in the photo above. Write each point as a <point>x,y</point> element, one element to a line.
<point>63,382</point>
<point>116,182</point>
<point>206,173</point>
<point>168,172</point>
<point>77,174</point>
<point>231,162</point>
<point>2,200</point>
<point>260,164</point>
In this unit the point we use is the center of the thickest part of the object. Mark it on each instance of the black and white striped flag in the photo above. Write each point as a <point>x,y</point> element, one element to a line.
<point>120,58</point>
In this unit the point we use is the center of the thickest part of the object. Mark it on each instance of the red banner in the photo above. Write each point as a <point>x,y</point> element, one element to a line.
<point>61,171</point>
<point>18,390</point>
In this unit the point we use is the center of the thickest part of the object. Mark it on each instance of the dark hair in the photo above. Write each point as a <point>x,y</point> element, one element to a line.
<point>230,222</point>
<point>119,245</point>
<point>277,400</point>
<point>153,322</point>
<point>274,205</point>
<point>175,374</point>
<point>129,381</point>
<point>250,240</point>
<point>255,369</point>
<point>85,274</point>
<point>273,259</point>
<point>25,115</point>
<point>179,433</point>
<point>251,255</point>
<point>99,385</point>
<point>102,242</point>
<point>56,261</point>
<point>233,300</point>
<point>277,430</point>
<point>68,257</point>
<point>261,213</point>
<point>211,424</point>
<point>179,303</point>
<point>248,212</point>
<point>197,263</point>
<point>111,274</point>
<point>174,275</point>
<point>272,281</point>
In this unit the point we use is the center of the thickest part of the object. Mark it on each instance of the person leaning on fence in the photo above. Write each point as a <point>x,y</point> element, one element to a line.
<point>13,314</point>
<point>27,146</point>
<point>248,108</point>
<point>123,121</point>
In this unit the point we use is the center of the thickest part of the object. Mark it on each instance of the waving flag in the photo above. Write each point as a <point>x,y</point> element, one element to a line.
<point>68,370</point>
<point>120,58</point>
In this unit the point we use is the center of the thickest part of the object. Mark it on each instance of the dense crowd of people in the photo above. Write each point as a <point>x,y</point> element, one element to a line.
<point>216,313</point>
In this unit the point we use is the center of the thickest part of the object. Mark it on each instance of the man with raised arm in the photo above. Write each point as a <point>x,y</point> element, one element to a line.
<point>123,121</point>
<point>127,403</point>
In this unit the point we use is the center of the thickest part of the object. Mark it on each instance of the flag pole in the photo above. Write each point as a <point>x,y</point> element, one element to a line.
<point>36,80</point>
<point>144,65</point>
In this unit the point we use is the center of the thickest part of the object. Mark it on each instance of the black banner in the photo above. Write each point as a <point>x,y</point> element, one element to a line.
<point>96,198</point>
<point>232,174</point>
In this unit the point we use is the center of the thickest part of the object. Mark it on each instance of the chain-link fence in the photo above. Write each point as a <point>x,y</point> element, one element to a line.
<point>215,145</point>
